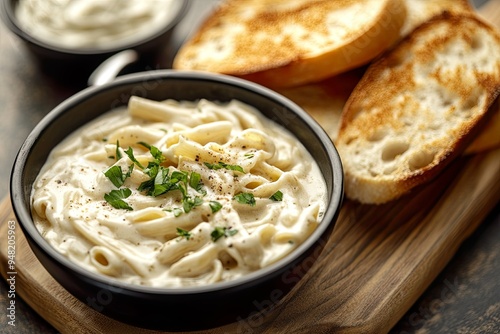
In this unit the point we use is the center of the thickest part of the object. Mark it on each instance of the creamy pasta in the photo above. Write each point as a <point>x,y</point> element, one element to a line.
<point>171,194</point>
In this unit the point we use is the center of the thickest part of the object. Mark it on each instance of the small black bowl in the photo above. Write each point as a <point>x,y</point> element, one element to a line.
<point>77,64</point>
<point>180,308</point>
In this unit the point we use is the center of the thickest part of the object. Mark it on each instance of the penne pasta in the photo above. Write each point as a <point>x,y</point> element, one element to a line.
<point>170,194</point>
<point>167,226</point>
<point>175,249</point>
<point>162,112</point>
<point>196,263</point>
<point>106,261</point>
<point>133,134</point>
<point>217,132</point>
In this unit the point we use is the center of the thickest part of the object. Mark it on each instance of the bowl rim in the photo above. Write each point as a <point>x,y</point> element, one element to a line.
<point>7,14</point>
<point>25,219</point>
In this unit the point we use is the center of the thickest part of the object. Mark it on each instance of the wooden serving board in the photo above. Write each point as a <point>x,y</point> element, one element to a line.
<point>376,264</point>
<point>378,261</point>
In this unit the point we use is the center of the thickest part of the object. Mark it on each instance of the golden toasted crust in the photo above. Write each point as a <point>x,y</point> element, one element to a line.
<point>325,100</point>
<point>286,43</point>
<point>419,106</point>
<point>420,11</point>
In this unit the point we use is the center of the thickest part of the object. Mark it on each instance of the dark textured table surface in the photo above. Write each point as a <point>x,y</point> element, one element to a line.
<point>464,298</point>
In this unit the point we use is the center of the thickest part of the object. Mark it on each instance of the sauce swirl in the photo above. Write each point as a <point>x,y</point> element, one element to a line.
<point>94,24</point>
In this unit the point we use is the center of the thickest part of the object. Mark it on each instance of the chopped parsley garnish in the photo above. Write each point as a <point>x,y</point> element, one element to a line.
<point>277,196</point>
<point>118,153</point>
<point>221,165</point>
<point>245,198</point>
<point>183,233</point>
<point>162,180</point>
<point>116,176</point>
<point>217,233</point>
<point>195,181</point>
<point>220,232</point>
<point>130,153</point>
<point>155,152</point>
<point>189,203</point>
<point>215,206</point>
<point>116,198</point>
<point>177,212</point>
<point>230,233</point>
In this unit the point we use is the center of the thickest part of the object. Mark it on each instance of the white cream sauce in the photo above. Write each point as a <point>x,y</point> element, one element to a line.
<point>95,24</point>
<point>156,241</point>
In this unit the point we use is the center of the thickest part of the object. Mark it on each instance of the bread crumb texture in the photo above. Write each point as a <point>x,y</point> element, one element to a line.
<point>239,39</point>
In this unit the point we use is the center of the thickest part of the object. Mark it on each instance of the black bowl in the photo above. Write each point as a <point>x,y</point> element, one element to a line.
<point>77,64</point>
<point>179,308</point>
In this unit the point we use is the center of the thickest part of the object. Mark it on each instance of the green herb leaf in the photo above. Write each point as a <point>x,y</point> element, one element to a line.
<point>189,203</point>
<point>148,186</point>
<point>177,212</point>
<point>235,168</point>
<point>195,181</point>
<point>277,196</point>
<point>160,189</point>
<point>225,166</point>
<point>215,206</point>
<point>146,145</point>
<point>245,198</point>
<point>217,233</point>
<point>155,152</point>
<point>116,176</point>
<point>130,153</point>
<point>220,232</point>
<point>183,233</point>
<point>118,154</point>
<point>163,183</point>
<point>152,170</point>
<point>159,182</point>
<point>115,198</point>
<point>212,166</point>
<point>179,176</point>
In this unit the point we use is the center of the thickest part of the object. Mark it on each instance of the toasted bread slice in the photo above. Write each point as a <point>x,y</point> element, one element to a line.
<point>325,100</point>
<point>419,11</point>
<point>418,107</point>
<point>282,43</point>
